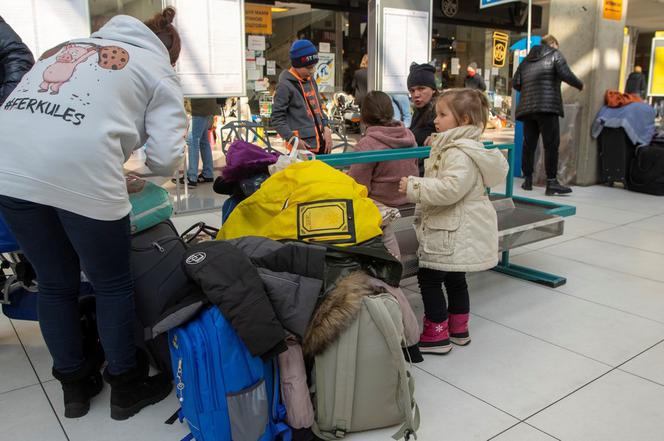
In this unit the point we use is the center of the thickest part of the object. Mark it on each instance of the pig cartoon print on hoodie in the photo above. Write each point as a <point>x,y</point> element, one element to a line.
<point>58,73</point>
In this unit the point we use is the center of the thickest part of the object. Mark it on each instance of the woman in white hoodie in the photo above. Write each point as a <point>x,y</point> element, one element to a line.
<point>456,223</point>
<point>67,129</point>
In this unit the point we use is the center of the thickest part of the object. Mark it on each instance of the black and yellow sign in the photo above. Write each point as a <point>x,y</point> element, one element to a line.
<point>330,221</point>
<point>500,44</point>
<point>257,19</point>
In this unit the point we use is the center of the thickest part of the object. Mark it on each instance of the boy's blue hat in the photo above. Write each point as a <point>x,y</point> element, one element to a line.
<point>303,53</point>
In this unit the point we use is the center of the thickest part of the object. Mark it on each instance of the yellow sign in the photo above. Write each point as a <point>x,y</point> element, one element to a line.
<point>257,19</point>
<point>328,221</point>
<point>613,9</point>
<point>500,45</point>
<point>657,68</point>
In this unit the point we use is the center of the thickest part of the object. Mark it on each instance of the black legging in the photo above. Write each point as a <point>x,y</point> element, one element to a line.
<point>431,286</point>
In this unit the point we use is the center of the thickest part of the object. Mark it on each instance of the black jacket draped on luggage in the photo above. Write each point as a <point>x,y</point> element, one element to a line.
<point>261,286</point>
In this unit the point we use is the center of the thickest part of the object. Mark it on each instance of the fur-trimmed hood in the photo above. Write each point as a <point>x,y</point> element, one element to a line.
<point>336,312</point>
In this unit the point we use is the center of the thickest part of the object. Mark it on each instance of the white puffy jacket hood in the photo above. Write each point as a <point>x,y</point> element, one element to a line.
<point>491,163</point>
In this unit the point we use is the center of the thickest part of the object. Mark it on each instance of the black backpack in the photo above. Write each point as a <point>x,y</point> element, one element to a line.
<point>164,297</point>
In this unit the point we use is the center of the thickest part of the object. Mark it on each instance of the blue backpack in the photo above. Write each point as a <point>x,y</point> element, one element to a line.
<point>225,393</point>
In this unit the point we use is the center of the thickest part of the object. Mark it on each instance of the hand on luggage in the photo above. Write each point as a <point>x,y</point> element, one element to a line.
<point>134,184</point>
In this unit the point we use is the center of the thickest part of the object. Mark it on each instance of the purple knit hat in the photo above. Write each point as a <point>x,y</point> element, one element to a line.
<point>244,160</point>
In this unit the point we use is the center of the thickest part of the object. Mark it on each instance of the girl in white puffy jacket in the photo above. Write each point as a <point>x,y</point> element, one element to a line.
<point>456,223</point>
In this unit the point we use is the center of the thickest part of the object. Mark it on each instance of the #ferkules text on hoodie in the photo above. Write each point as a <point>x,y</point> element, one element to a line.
<point>382,178</point>
<point>80,112</point>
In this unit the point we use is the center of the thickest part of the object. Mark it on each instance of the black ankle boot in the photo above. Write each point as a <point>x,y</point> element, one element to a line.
<point>527,183</point>
<point>79,387</point>
<point>133,390</point>
<point>553,187</point>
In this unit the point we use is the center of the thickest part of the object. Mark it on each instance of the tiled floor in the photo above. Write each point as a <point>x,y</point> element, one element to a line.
<point>581,362</point>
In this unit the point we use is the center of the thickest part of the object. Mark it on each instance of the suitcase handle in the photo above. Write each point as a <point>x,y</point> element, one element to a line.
<point>200,228</point>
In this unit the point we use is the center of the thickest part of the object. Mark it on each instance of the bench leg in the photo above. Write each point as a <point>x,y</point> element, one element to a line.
<point>530,274</point>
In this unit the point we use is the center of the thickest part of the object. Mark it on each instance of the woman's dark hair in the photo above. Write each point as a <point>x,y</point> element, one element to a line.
<point>377,109</point>
<point>162,25</point>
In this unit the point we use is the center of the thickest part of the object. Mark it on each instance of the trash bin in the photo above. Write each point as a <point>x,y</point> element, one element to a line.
<point>570,130</point>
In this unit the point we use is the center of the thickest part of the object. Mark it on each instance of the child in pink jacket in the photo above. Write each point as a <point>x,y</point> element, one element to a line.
<point>383,133</point>
<point>382,178</point>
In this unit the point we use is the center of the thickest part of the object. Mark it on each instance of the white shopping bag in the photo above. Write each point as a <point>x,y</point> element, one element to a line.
<point>294,156</point>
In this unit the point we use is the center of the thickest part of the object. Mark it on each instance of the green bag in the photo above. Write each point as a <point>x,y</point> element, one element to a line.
<point>149,207</point>
<point>357,379</point>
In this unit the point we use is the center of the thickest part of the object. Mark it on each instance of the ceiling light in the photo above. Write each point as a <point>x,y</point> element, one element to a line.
<point>277,9</point>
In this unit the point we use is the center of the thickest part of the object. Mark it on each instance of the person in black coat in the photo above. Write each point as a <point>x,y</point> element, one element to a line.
<point>422,88</point>
<point>636,83</point>
<point>473,79</point>
<point>538,79</point>
<point>423,92</point>
<point>15,60</point>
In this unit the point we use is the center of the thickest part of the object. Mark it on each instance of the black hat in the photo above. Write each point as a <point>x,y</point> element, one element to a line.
<point>422,75</point>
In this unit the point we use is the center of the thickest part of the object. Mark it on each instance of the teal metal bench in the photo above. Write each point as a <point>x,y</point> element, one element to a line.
<point>544,217</point>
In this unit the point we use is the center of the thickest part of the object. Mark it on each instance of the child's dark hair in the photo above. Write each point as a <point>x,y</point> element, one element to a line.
<point>467,103</point>
<point>377,109</point>
<point>162,25</point>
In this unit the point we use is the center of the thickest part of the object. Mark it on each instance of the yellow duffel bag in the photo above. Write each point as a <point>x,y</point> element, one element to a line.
<point>308,201</point>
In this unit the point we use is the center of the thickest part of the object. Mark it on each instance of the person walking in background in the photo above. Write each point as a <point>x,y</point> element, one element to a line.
<point>540,108</point>
<point>64,197</point>
<point>297,109</point>
<point>473,79</point>
<point>203,111</point>
<point>456,224</point>
<point>361,81</point>
<point>15,60</point>
<point>636,83</point>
